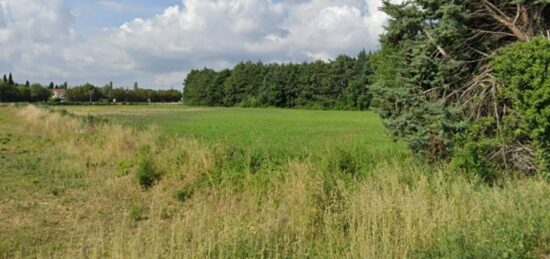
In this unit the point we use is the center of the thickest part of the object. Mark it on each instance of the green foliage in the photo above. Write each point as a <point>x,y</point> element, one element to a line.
<point>39,93</point>
<point>524,70</point>
<point>339,84</point>
<point>23,93</point>
<point>89,92</point>
<point>479,143</point>
<point>145,171</point>
<point>136,211</point>
<point>434,85</point>
<point>490,146</point>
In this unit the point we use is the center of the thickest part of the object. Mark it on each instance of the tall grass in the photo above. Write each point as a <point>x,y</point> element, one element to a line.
<point>213,201</point>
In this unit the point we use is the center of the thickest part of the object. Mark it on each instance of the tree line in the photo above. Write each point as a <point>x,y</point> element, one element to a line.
<point>108,93</point>
<point>10,91</point>
<point>339,84</point>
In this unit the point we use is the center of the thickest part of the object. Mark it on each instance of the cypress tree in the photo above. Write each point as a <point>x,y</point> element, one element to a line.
<point>10,80</point>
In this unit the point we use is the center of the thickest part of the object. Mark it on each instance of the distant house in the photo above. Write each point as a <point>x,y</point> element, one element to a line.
<point>59,93</point>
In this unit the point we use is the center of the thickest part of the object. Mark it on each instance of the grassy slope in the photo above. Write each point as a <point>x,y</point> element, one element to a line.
<point>68,189</point>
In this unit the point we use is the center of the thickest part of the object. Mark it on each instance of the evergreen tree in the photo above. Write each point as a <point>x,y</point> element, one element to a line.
<point>433,73</point>
<point>10,80</point>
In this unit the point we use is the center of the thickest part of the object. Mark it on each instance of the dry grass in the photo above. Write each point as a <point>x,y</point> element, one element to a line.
<point>297,210</point>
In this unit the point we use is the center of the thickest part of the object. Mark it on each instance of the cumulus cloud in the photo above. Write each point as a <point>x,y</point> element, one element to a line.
<point>39,42</point>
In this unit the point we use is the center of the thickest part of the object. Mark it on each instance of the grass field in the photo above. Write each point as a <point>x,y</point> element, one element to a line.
<point>277,133</point>
<point>237,183</point>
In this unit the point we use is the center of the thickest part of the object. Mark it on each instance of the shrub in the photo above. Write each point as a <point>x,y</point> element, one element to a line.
<point>520,138</point>
<point>479,144</point>
<point>146,174</point>
<point>524,70</point>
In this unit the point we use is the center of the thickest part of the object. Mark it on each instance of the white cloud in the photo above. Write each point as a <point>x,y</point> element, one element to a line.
<point>158,51</point>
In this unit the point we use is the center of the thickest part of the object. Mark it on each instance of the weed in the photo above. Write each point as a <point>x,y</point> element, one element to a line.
<point>136,211</point>
<point>185,193</point>
<point>145,173</point>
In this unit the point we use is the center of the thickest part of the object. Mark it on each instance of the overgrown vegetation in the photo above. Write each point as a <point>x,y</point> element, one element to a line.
<point>351,203</point>
<point>524,70</point>
<point>467,80</point>
<point>338,84</point>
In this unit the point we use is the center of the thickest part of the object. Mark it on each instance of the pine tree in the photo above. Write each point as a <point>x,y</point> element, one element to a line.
<point>5,78</point>
<point>51,85</point>
<point>27,84</point>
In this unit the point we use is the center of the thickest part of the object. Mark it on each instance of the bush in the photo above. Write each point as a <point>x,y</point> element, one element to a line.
<point>524,69</point>
<point>146,174</point>
<point>479,144</point>
<point>520,139</point>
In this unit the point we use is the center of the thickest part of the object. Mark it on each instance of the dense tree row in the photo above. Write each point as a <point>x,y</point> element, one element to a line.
<point>468,80</point>
<point>14,92</point>
<point>107,93</point>
<point>339,84</point>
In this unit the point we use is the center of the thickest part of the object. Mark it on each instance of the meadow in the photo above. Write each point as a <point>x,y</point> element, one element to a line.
<point>168,181</point>
<point>280,134</point>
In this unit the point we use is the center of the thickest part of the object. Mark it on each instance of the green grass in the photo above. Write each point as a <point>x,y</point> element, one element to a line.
<point>278,133</point>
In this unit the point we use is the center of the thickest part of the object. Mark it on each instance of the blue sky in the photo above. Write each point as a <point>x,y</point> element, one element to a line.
<point>94,14</point>
<point>157,42</point>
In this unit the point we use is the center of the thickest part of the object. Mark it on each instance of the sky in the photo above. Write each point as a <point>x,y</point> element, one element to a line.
<point>157,42</point>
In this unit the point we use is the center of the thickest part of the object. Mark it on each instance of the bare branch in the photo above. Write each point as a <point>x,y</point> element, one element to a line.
<point>518,13</point>
<point>498,15</point>
<point>439,48</point>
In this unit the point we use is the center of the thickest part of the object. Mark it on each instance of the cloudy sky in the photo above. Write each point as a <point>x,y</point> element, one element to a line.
<point>156,42</point>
